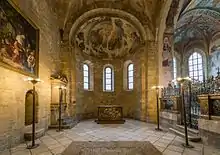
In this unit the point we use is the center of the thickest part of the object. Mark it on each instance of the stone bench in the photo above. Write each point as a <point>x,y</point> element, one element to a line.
<point>38,133</point>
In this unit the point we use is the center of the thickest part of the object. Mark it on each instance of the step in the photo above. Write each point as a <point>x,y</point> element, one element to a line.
<point>38,133</point>
<point>190,130</point>
<point>181,133</point>
<point>63,126</point>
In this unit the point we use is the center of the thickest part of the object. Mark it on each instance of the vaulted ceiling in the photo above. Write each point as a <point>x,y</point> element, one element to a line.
<point>100,19</point>
<point>199,20</point>
<point>146,11</point>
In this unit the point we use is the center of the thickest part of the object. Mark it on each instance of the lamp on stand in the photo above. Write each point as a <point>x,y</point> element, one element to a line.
<point>60,106</point>
<point>157,96</point>
<point>182,81</point>
<point>34,82</point>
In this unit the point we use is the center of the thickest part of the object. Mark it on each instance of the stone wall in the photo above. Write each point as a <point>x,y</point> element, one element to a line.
<point>87,101</point>
<point>152,79</point>
<point>13,87</point>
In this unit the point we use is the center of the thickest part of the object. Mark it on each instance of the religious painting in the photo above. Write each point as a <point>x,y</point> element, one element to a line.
<point>167,52</point>
<point>214,59</point>
<point>108,37</point>
<point>18,41</point>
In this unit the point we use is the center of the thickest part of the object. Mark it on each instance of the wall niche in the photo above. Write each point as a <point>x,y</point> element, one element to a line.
<point>29,107</point>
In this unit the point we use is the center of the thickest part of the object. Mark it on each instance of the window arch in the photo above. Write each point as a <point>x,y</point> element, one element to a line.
<point>108,78</point>
<point>195,64</point>
<point>130,76</point>
<point>86,76</point>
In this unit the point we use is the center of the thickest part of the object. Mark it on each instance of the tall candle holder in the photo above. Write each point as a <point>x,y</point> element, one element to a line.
<point>157,88</point>
<point>34,82</point>
<point>60,106</point>
<point>182,81</point>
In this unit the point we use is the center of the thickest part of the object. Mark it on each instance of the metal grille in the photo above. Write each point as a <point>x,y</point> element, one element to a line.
<point>192,106</point>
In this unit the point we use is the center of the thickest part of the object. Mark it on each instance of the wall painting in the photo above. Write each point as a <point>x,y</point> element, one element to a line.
<point>18,41</point>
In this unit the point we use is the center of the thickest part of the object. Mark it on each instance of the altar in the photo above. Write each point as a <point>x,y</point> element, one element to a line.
<point>110,114</point>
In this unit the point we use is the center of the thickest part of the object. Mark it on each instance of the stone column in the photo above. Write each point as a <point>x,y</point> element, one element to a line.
<point>68,68</point>
<point>152,80</point>
<point>143,63</point>
<point>72,88</point>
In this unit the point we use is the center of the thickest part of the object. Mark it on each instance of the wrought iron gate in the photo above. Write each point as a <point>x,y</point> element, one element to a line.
<point>192,105</point>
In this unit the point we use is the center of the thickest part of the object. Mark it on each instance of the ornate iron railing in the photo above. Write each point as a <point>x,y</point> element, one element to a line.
<point>216,108</point>
<point>191,91</point>
<point>170,91</point>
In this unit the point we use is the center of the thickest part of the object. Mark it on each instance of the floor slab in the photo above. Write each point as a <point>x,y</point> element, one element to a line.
<point>56,142</point>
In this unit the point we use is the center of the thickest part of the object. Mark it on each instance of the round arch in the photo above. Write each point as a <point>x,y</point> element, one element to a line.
<point>145,34</point>
<point>186,58</point>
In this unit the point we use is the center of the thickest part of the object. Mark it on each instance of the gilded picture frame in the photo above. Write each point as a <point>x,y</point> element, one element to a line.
<point>19,40</point>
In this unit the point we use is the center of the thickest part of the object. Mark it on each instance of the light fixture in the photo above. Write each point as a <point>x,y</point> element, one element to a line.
<point>33,81</point>
<point>157,96</point>
<point>60,87</point>
<point>181,80</point>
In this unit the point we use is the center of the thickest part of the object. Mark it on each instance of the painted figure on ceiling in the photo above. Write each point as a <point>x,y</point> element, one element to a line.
<point>107,37</point>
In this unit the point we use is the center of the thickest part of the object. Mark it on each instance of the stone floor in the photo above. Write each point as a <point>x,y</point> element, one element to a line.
<point>54,143</point>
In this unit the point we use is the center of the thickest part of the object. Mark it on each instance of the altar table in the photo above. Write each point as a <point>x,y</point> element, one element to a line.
<point>110,114</point>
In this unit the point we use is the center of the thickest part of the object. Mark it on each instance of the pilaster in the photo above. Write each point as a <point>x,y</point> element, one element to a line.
<point>152,79</point>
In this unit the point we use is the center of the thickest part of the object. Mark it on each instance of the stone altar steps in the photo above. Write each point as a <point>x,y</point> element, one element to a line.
<point>193,135</point>
<point>38,133</point>
<point>66,123</point>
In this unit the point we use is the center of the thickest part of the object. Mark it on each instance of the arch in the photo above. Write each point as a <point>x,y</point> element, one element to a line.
<point>187,57</point>
<point>112,12</point>
<point>198,11</point>
<point>195,66</point>
<point>199,44</point>
<point>108,78</point>
<point>130,78</point>
<point>88,76</point>
<point>215,37</point>
<point>174,68</point>
<point>29,107</point>
<point>126,75</point>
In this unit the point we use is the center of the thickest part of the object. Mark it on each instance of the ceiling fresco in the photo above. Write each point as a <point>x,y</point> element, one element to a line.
<point>107,37</point>
<point>199,17</point>
<point>146,11</point>
<point>203,3</point>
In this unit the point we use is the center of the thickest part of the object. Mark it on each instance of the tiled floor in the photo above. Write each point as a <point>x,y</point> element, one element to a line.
<point>53,143</point>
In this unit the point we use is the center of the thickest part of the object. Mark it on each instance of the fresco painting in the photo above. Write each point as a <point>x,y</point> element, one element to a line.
<point>214,59</point>
<point>108,37</point>
<point>167,53</point>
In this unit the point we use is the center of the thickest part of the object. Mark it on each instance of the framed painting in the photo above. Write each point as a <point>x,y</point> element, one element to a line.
<point>19,41</point>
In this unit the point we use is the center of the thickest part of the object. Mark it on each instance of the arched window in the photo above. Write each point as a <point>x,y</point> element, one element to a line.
<point>130,76</point>
<point>174,69</point>
<point>196,66</point>
<point>108,79</point>
<point>86,83</point>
